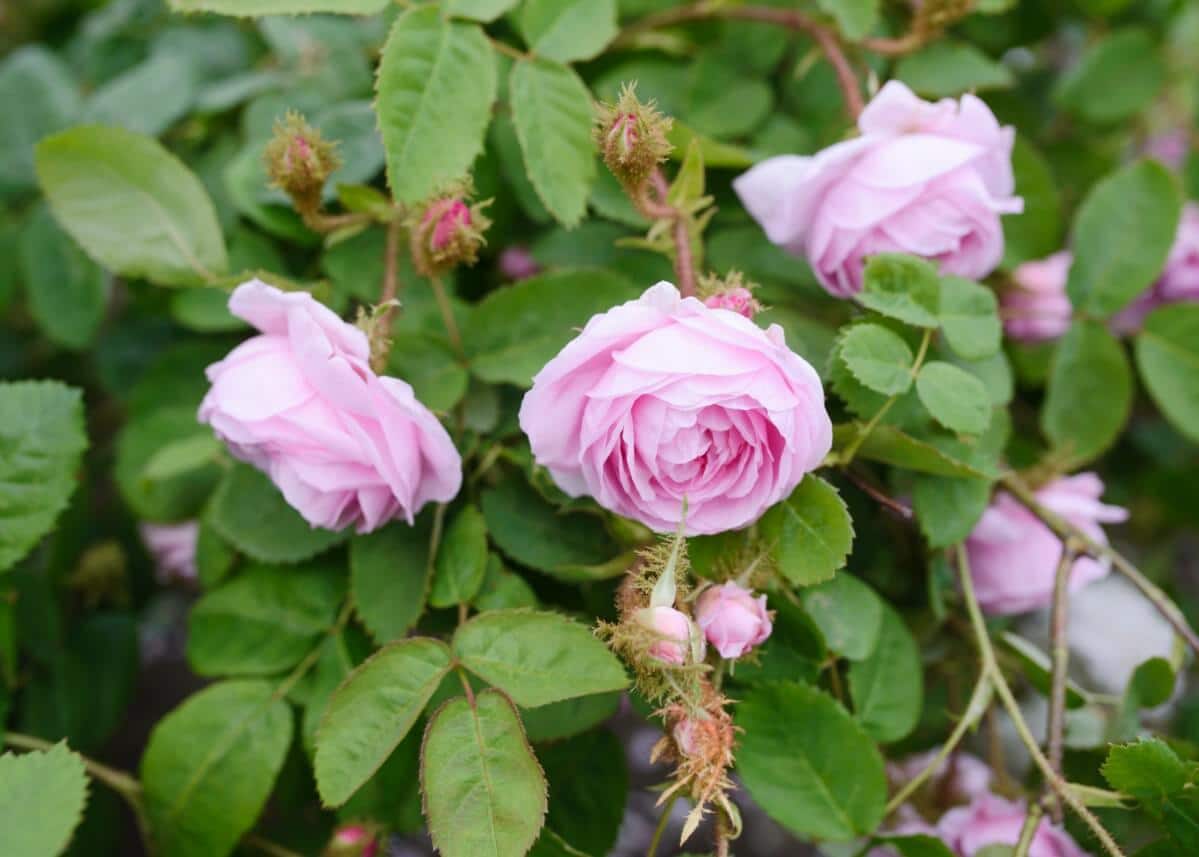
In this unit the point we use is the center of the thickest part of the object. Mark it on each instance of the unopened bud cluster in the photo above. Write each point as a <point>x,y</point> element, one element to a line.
<point>447,232</point>
<point>733,293</point>
<point>299,161</point>
<point>632,137</point>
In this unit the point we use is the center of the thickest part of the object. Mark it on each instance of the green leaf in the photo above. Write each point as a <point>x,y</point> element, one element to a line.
<point>568,30</point>
<point>40,97</point>
<point>214,556</point>
<point>41,443</point>
<point>552,115</point>
<point>948,508</point>
<point>824,780</point>
<point>436,84</point>
<point>848,613</point>
<point>571,546</point>
<point>263,621</point>
<point>182,456</point>
<point>955,398</point>
<point>1037,231</point>
<point>484,791</point>
<point>132,205</point>
<point>211,764</point>
<point>42,795</point>
<point>855,18</point>
<point>1167,353</point>
<point>877,357</point>
<point>1116,78</point>
<point>970,318</point>
<point>478,10</point>
<point>431,367</point>
<point>67,291</point>
<point>145,447</point>
<point>1038,669</point>
<point>537,657</point>
<point>248,511</point>
<point>515,331</point>
<point>946,68</point>
<point>503,589</point>
<point>1089,394</point>
<point>902,287</point>
<point>810,533</point>
<point>586,810</point>
<point>461,559</point>
<point>148,98</point>
<point>1147,769</point>
<point>570,716</point>
<point>1122,235</point>
<point>257,8</point>
<point>892,446</point>
<point>888,685</point>
<point>389,577</point>
<point>919,845</point>
<point>372,711</point>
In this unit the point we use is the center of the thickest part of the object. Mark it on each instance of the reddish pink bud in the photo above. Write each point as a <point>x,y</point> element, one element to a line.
<point>354,840</point>
<point>517,263</point>
<point>738,300</point>
<point>446,234</point>
<point>623,136</point>
<point>674,630</point>
<point>447,217</point>
<point>732,619</point>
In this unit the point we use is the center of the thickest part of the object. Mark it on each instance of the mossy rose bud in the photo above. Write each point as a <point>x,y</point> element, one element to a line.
<point>299,161</point>
<point>448,233</point>
<point>632,138</point>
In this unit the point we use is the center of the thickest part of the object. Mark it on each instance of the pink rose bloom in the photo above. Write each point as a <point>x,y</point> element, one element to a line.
<point>962,776</point>
<point>517,263</point>
<point>173,549</point>
<point>991,820</point>
<point>1035,307</point>
<point>674,628</point>
<point>732,619</point>
<point>930,179</point>
<point>1014,557</point>
<point>662,402</point>
<point>1179,281</point>
<point>300,403</point>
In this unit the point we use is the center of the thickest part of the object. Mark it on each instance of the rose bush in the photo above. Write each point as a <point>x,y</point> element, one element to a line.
<point>573,428</point>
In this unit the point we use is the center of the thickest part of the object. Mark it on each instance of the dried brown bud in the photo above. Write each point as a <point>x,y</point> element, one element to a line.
<point>632,137</point>
<point>299,161</point>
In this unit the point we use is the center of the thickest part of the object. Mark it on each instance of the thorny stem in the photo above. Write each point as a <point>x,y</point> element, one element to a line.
<point>447,317</point>
<point>1066,531</point>
<point>661,209</point>
<point>318,221</point>
<point>388,291</point>
<point>980,699</point>
<point>1029,831</point>
<point>991,667</point>
<point>912,40</point>
<point>1059,654</point>
<point>846,457</point>
<point>722,834</point>
<point>663,820</point>
<point>825,37</point>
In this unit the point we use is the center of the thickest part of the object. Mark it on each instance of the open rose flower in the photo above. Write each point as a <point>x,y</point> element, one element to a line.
<point>991,820</point>
<point>732,619</point>
<point>930,179</point>
<point>1034,307</point>
<point>1014,556</point>
<point>663,402</point>
<point>300,403</point>
<point>1179,281</point>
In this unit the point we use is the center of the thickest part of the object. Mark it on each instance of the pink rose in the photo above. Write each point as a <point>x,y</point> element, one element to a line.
<point>1179,281</point>
<point>173,549</point>
<point>732,619</point>
<point>674,631</point>
<point>991,820</point>
<point>301,403</point>
<point>662,402</point>
<point>929,179</point>
<point>1035,307</point>
<point>1014,557</point>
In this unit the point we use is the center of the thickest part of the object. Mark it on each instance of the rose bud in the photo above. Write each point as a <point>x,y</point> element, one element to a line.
<point>732,619</point>
<point>686,734</point>
<point>301,403</point>
<point>517,263</point>
<point>1035,307</point>
<point>632,138</point>
<point>1014,556</point>
<point>739,300</point>
<point>662,403</point>
<point>353,840</point>
<point>449,233</point>
<point>1179,281</point>
<point>930,179</point>
<point>299,161</point>
<point>173,549</point>
<point>991,820</point>
<point>673,631</point>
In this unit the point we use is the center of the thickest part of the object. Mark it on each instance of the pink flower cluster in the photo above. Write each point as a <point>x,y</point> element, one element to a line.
<point>729,617</point>
<point>931,179</point>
